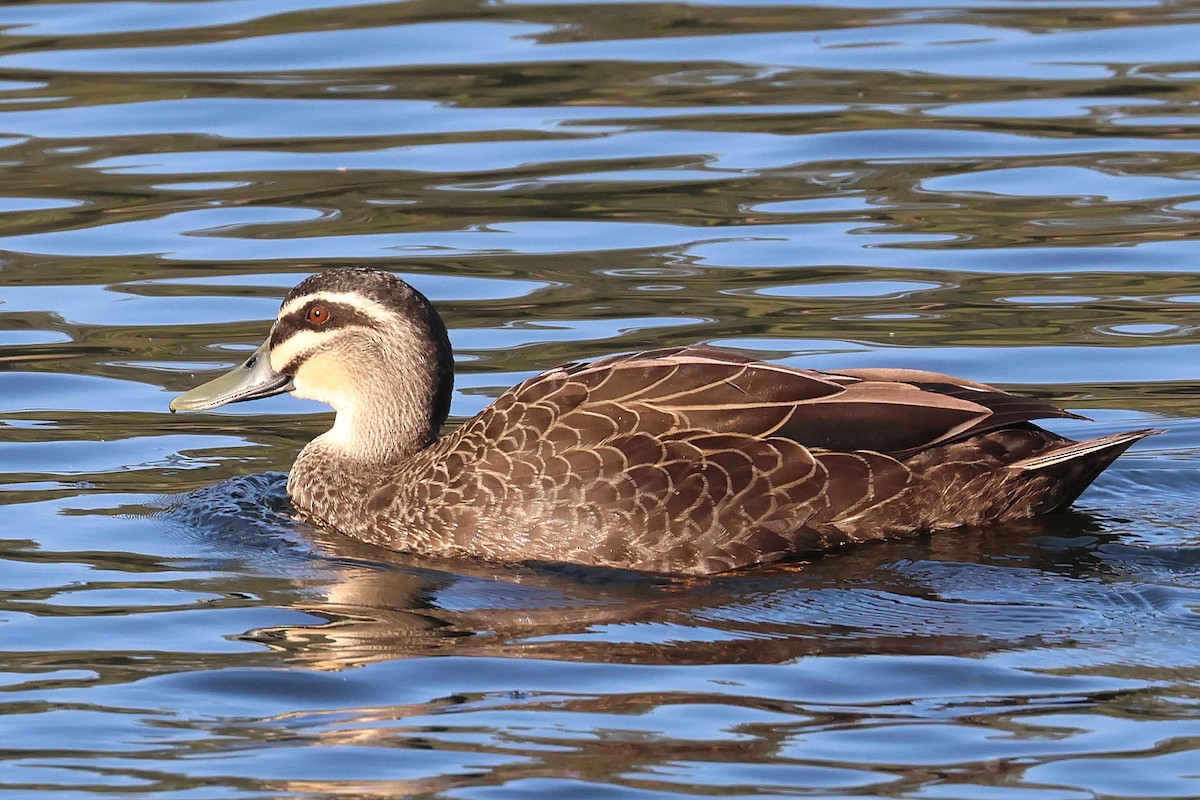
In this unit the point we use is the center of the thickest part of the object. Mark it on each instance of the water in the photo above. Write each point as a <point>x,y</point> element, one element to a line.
<point>1003,190</point>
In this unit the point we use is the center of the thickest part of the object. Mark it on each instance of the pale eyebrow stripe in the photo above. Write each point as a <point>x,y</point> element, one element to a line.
<point>358,302</point>
<point>292,347</point>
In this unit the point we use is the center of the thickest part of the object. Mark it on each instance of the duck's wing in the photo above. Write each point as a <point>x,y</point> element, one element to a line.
<point>893,411</point>
<point>905,411</point>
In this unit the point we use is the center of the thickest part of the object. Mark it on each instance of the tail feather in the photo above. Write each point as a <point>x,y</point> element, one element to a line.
<point>1110,446</point>
<point>1072,467</point>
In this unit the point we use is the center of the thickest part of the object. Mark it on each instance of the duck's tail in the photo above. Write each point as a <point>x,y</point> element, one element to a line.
<point>1102,451</point>
<point>1076,464</point>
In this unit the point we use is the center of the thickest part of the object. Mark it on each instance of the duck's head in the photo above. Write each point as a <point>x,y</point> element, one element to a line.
<point>361,340</point>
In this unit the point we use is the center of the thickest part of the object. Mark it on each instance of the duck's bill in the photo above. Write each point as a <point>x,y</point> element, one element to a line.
<point>250,380</point>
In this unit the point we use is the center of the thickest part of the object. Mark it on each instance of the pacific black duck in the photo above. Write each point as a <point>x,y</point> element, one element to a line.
<point>687,459</point>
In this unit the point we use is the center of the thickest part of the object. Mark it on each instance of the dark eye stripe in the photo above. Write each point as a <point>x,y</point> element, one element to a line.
<point>290,367</point>
<point>340,316</point>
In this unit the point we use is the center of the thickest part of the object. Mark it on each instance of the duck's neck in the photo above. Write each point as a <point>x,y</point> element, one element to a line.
<point>391,400</point>
<point>379,428</point>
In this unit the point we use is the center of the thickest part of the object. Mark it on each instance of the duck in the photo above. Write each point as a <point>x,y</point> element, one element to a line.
<point>683,460</point>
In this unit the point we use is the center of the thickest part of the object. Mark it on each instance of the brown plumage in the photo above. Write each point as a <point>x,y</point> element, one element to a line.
<point>692,460</point>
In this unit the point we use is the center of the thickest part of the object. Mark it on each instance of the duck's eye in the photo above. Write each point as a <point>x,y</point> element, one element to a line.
<point>318,315</point>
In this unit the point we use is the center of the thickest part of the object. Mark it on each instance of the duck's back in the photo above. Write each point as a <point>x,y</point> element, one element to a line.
<point>699,460</point>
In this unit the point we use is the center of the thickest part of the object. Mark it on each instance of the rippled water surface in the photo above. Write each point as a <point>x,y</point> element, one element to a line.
<point>1003,190</point>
